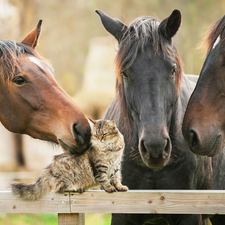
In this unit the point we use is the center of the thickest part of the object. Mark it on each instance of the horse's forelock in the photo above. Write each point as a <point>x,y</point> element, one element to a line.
<point>138,34</point>
<point>10,51</point>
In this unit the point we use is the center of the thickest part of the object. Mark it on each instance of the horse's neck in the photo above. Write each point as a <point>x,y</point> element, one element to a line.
<point>113,111</point>
<point>191,77</point>
<point>187,86</point>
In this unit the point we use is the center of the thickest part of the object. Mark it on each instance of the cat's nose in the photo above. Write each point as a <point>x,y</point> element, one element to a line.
<point>101,139</point>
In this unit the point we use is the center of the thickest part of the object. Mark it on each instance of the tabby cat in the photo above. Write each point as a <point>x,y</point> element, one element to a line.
<point>100,165</point>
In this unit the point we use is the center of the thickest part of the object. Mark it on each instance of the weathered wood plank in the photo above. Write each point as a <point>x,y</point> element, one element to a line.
<point>50,203</point>
<point>71,219</point>
<point>150,201</point>
<point>154,201</point>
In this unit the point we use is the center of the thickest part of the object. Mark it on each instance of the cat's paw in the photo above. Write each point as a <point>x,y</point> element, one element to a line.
<point>81,190</point>
<point>109,189</point>
<point>122,188</point>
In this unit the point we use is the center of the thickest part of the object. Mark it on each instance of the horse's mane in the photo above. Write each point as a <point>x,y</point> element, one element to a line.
<point>212,33</point>
<point>9,52</point>
<point>139,34</point>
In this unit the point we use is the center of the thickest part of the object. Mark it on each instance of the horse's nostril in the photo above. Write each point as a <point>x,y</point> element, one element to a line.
<point>167,148</point>
<point>79,134</point>
<point>194,138</point>
<point>143,148</point>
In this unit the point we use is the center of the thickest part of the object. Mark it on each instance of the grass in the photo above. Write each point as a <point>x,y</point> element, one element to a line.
<point>50,219</point>
<point>97,219</point>
<point>27,219</point>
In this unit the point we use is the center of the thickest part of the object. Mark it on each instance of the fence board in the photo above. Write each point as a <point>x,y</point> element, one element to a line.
<point>50,203</point>
<point>154,201</point>
<point>133,201</point>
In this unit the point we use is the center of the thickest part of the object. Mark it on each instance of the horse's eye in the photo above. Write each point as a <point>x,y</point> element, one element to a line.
<point>174,71</point>
<point>124,74</point>
<point>19,80</point>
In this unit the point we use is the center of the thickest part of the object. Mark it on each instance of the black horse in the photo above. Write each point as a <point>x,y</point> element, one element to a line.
<point>152,95</point>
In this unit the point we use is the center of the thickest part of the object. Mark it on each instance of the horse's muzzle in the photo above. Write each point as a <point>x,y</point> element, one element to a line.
<point>82,141</point>
<point>203,143</point>
<point>155,148</point>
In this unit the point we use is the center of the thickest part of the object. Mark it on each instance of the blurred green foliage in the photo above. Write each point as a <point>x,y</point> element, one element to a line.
<point>27,219</point>
<point>50,219</point>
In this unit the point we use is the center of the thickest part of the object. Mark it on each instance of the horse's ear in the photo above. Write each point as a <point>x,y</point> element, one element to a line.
<point>32,38</point>
<point>170,25</point>
<point>112,25</point>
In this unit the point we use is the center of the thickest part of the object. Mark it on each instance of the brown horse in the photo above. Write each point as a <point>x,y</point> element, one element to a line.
<point>33,103</point>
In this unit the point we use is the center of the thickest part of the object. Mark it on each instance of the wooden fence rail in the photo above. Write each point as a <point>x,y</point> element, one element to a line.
<point>72,206</point>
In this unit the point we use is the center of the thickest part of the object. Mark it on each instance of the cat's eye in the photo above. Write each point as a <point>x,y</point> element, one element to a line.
<point>104,134</point>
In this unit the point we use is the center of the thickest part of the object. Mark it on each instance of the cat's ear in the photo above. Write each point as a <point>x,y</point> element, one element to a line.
<point>93,121</point>
<point>112,122</point>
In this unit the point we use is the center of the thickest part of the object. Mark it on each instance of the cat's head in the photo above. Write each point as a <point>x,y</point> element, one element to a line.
<point>104,130</point>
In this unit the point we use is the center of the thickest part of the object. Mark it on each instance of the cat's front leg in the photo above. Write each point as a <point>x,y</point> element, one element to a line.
<point>107,186</point>
<point>116,179</point>
<point>104,182</point>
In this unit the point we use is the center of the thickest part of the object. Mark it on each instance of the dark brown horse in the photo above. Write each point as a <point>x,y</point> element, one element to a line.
<point>33,103</point>
<point>204,121</point>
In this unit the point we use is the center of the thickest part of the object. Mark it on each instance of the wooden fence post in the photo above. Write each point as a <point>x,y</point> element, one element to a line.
<point>71,219</point>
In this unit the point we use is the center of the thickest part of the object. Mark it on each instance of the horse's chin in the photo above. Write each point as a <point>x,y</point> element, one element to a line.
<point>156,163</point>
<point>71,149</point>
<point>211,149</point>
